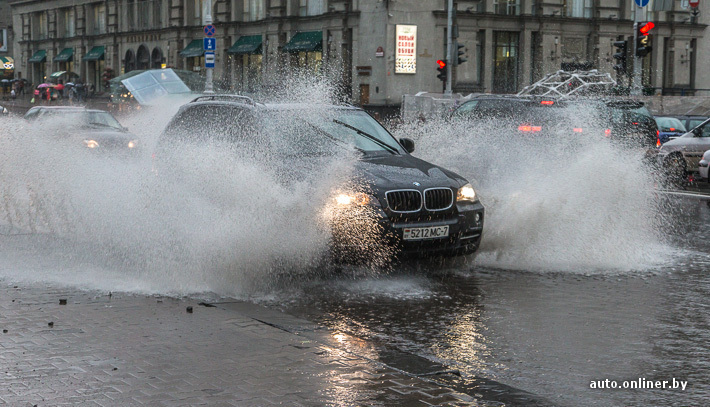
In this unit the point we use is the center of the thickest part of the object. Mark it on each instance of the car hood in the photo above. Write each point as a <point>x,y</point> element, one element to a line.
<point>404,172</point>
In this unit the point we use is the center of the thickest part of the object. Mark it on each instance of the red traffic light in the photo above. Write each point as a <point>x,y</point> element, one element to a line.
<point>646,28</point>
<point>441,63</point>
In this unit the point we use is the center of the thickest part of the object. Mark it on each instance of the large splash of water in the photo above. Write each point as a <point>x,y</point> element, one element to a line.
<point>570,202</point>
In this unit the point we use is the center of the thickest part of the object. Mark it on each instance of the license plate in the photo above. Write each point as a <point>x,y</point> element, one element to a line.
<point>433,232</point>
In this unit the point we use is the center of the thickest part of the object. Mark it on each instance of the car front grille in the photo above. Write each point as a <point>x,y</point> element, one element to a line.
<point>405,200</point>
<point>438,199</point>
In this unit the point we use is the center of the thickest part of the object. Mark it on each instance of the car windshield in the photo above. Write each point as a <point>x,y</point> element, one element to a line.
<point>668,124</point>
<point>307,133</point>
<point>83,117</point>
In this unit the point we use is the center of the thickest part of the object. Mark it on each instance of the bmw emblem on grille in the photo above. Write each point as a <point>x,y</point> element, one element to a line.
<point>416,184</point>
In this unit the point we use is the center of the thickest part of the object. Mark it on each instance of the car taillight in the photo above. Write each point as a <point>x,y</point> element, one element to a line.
<point>607,133</point>
<point>529,128</point>
<point>577,130</point>
<point>547,102</point>
<point>672,129</point>
<point>635,123</point>
<point>658,141</point>
<point>658,132</point>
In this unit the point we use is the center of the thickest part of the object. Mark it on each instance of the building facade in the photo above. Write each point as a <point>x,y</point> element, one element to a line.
<point>380,49</point>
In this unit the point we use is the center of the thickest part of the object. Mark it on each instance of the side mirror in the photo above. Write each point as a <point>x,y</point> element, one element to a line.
<point>697,132</point>
<point>408,144</point>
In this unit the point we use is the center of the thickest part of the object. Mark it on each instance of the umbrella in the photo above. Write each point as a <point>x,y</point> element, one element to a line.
<point>6,81</point>
<point>69,84</point>
<point>45,85</point>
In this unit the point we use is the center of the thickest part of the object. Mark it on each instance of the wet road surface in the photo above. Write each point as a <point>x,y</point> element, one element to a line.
<point>544,336</point>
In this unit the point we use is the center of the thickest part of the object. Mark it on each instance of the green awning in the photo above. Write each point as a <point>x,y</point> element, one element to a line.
<point>96,54</point>
<point>57,74</point>
<point>193,49</point>
<point>305,42</point>
<point>66,55</point>
<point>39,56</point>
<point>250,44</point>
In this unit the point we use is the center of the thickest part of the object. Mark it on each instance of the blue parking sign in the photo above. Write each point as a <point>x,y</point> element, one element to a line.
<point>209,44</point>
<point>642,3</point>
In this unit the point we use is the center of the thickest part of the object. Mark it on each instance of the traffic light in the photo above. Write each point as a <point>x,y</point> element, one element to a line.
<point>459,53</point>
<point>620,57</point>
<point>442,70</point>
<point>643,38</point>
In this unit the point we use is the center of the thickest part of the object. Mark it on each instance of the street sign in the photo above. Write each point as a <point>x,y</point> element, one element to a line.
<point>209,44</point>
<point>209,30</point>
<point>641,3</point>
<point>209,59</point>
<point>694,3</point>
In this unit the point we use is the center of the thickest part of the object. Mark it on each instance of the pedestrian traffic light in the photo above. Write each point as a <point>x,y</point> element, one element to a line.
<point>620,57</point>
<point>442,70</point>
<point>460,50</point>
<point>643,38</point>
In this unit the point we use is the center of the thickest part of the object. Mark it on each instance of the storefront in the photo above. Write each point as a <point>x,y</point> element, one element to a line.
<point>95,65</point>
<point>194,55</point>
<point>306,49</point>
<point>64,61</point>
<point>38,62</point>
<point>246,57</point>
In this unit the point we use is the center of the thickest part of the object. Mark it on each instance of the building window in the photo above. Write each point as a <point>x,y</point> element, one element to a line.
<point>254,10</point>
<point>99,19</point>
<point>130,14</point>
<point>40,29</point>
<point>69,22</point>
<point>505,69</point>
<point>577,8</point>
<point>311,7</point>
<point>143,14</point>
<point>157,13</point>
<point>507,7</point>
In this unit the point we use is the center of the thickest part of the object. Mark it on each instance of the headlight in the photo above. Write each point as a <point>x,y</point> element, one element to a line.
<point>355,198</point>
<point>132,144</point>
<point>466,193</point>
<point>91,143</point>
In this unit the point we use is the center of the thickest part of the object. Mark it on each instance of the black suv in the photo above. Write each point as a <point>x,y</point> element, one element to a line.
<point>418,208</point>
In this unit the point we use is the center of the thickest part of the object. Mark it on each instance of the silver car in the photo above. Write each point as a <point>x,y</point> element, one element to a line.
<point>684,153</point>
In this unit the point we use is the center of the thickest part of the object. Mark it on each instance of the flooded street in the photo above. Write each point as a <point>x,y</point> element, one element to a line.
<point>547,333</point>
<point>585,274</point>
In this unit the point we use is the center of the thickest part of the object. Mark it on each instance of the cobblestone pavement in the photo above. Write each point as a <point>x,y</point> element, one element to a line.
<point>123,350</point>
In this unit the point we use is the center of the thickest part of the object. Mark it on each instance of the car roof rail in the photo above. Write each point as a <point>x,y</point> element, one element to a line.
<point>224,98</point>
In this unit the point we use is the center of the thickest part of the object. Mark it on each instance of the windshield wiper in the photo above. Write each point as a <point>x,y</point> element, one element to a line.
<point>368,136</point>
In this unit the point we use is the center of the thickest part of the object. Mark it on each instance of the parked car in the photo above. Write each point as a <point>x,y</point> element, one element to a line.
<point>97,130</point>
<point>669,128</point>
<point>690,121</point>
<point>421,208</point>
<point>682,155</point>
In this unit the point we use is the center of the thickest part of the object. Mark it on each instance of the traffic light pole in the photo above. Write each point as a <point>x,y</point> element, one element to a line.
<point>638,61</point>
<point>449,44</point>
